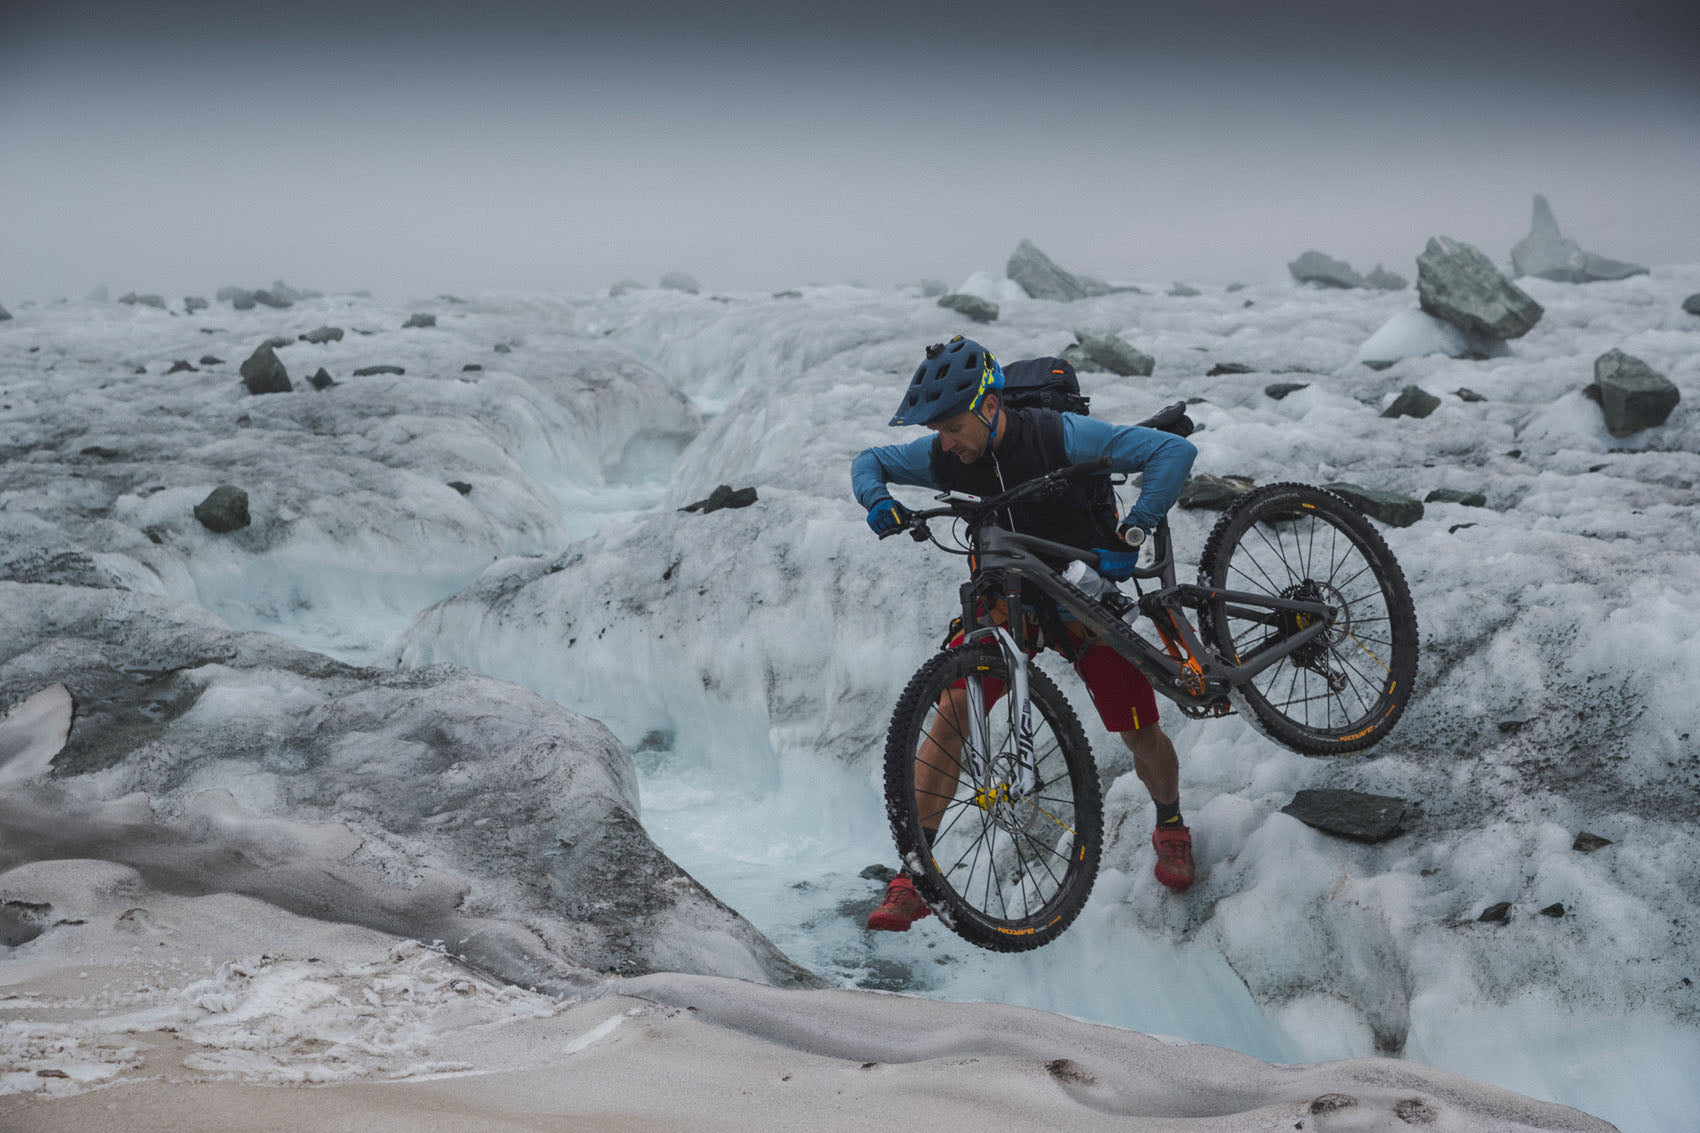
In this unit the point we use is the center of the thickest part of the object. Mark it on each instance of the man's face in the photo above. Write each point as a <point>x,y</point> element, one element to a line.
<point>965,436</point>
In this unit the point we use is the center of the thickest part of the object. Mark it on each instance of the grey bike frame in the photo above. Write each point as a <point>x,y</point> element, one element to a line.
<point>1005,551</point>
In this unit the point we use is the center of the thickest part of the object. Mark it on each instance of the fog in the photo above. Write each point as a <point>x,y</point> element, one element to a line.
<point>429,147</point>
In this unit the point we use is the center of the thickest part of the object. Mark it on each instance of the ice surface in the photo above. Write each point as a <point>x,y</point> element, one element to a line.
<point>749,658</point>
<point>32,733</point>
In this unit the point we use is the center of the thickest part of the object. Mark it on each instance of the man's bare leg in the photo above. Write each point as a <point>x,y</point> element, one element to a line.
<point>1157,766</point>
<point>938,764</point>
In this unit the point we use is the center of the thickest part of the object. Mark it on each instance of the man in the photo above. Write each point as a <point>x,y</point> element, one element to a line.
<point>981,447</point>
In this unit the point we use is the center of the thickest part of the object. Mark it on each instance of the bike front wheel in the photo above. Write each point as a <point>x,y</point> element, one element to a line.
<point>1018,839</point>
<point>1344,690</point>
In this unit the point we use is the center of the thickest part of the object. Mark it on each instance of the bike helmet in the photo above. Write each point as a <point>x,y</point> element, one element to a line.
<point>952,380</point>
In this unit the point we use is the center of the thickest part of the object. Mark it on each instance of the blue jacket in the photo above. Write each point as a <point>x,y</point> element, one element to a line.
<point>1163,458</point>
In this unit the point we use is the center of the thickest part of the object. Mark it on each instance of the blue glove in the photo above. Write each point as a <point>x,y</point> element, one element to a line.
<point>888,517</point>
<point>1117,566</point>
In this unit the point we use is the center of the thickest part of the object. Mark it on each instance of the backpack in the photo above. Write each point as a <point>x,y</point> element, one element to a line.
<point>1051,383</point>
<point>1043,383</point>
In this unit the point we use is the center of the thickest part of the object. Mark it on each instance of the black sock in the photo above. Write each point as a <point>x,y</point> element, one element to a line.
<point>1169,814</point>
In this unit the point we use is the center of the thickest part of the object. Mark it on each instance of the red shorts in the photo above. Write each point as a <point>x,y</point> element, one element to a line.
<point>1124,698</point>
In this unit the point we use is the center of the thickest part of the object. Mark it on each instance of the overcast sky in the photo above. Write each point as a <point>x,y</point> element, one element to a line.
<point>426,147</point>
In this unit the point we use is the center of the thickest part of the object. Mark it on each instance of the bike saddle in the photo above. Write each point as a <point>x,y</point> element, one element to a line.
<point>1171,419</point>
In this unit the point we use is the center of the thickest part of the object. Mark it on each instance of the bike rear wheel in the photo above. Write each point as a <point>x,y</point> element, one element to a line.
<point>1345,690</point>
<point>1013,861</point>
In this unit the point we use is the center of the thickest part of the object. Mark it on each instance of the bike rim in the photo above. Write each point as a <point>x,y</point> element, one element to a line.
<point>1344,679</point>
<point>1007,850</point>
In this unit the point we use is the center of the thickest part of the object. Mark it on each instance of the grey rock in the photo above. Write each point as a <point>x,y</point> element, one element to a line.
<point>1554,910</point>
<point>4,314</point>
<point>1587,843</point>
<point>282,290</point>
<point>1456,496</point>
<point>279,341</point>
<point>1463,393</point>
<point>976,308</point>
<point>155,301</point>
<point>1221,368</point>
<point>1632,394</point>
<point>1498,913</point>
<point>1041,278</point>
<point>321,379</point>
<point>180,366</point>
<point>193,303</point>
<point>1182,291</point>
<point>1546,253</point>
<point>229,294</point>
<point>1350,814</point>
<point>273,299</point>
<point>1278,390</point>
<point>793,293</point>
<point>461,486</point>
<point>211,360</point>
<point>420,321</point>
<point>1602,269</point>
<point>1075,355</point>
<point>623,287</point>
<point>1389,507</point>
<point>1459,284</point>
<point>1202,491</point>
<point>244,301</point>
<point>1116,355</point>
<point>323,335</point>
<point>224,510</point>
<point>368,371</point>
<point>472,368</point>
<point>1325,271</point>
<point>263,373</point>
<point>679,281</point>
<point>503,348</point>
<point>1692,304</point>
<point>1413,401</point>
<point>724,496</point>
<point>1383,280</point>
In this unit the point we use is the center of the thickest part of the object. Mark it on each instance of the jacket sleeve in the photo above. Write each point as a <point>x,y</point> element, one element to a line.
<point>876,467</point>
<point>1162,459</point>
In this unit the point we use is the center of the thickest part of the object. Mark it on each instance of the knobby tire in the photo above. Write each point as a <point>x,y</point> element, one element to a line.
<point>1343,693</point>
<point>1007,871</point>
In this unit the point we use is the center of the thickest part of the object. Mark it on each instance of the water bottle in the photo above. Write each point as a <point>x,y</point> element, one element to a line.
<point>1083,577</point>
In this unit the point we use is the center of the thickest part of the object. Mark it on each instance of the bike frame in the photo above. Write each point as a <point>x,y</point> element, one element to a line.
<point>1187,672</point>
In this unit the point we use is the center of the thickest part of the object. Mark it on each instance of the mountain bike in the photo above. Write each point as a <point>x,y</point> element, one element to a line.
<point>1304,625</point>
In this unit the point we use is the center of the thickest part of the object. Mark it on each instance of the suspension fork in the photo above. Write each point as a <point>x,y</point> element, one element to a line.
<point>979,734</point>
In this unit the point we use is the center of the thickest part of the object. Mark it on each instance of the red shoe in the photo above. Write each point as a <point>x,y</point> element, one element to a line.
<point>1174,856</point>
<point>901,907</point>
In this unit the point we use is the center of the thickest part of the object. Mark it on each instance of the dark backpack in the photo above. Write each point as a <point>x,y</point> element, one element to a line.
<point>1043,383</point>
<point>1051,383</point>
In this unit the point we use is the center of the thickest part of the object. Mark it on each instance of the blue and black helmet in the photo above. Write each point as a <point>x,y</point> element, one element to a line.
<point>952,380</point>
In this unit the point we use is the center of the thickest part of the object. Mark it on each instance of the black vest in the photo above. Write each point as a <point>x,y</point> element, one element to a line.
<point>1032,446</point>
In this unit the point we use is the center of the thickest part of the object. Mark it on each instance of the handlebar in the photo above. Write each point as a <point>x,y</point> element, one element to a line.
<point>1039,485</point>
